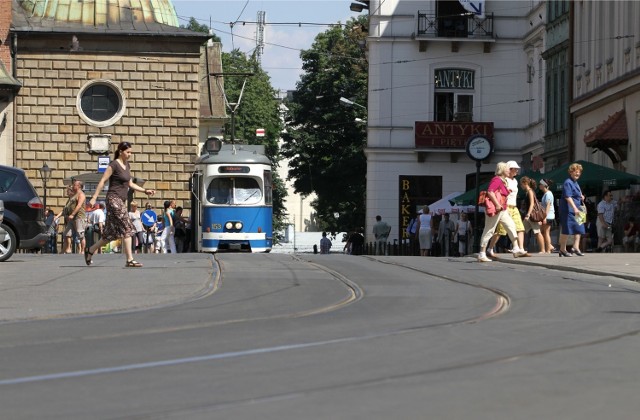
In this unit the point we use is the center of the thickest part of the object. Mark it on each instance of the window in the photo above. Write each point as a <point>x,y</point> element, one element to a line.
<point>101,103</point>
<point>237,191</point>
<point>6,180</point>
<point>247,191</point>
<point>268,188</point>
<point>452,99</point>
<point>452,19</point>
<point>450,106</point>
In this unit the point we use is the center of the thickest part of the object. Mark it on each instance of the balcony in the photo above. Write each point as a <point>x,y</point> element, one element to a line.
<point>464,26</point>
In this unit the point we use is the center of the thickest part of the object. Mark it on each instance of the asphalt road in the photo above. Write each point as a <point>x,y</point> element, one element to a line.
<point>317,337</point>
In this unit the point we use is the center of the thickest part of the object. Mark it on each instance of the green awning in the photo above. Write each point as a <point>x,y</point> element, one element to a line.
<point>469,198</point>
<point>595,179</point>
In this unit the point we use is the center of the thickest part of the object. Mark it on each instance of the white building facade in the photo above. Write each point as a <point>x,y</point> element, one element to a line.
<point>606,83</point>
<point>438,75</point>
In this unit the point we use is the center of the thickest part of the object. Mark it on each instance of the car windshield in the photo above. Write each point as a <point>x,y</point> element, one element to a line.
<point>238,190</point>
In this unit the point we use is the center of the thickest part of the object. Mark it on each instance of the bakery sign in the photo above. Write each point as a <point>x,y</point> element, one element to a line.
<point>449,135</point>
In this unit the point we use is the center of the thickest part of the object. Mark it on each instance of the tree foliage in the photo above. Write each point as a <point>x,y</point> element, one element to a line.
<point>323,141</point>
<point>194,26</point>
<point>258,107</point>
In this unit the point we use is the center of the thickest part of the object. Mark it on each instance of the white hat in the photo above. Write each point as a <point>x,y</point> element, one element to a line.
<point>512,164</point>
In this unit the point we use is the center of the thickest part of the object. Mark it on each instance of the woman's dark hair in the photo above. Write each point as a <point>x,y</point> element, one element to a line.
<point>167,204</point>
<point>121,148</point>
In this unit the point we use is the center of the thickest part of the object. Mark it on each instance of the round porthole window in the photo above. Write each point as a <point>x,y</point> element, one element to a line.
<point>101,103</point>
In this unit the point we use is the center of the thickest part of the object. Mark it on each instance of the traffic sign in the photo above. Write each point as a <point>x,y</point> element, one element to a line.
<point>103,164</point>
<point>149,217</point>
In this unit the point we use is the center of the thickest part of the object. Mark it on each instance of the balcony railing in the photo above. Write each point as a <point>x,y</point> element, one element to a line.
<point>471,26</point>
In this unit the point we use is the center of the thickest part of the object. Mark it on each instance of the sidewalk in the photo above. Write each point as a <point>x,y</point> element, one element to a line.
<point>622,265</point>
<point>50,286</point>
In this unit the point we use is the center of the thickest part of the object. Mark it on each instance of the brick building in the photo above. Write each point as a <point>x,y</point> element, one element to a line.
<point>110,70</point>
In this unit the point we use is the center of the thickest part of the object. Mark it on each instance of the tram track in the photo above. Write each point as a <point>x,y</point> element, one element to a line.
<point>259,365</point>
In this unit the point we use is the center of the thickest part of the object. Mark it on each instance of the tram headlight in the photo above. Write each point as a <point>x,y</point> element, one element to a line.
<point>238,225</point>
<point>228,225</point>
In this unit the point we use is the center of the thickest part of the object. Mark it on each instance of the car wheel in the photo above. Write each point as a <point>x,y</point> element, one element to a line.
<point>8,242</point>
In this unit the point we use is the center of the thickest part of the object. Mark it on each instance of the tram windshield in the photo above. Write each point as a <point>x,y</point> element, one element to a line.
<point>238,191</point>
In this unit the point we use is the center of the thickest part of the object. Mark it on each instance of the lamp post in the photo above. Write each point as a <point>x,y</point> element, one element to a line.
<point>348,102</point>
<point>45,175</point>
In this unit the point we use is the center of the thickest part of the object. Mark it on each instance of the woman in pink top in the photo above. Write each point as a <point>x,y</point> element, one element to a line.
<point>495,213</point>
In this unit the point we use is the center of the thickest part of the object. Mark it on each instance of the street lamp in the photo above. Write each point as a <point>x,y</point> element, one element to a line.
<point>360,6</point>
<point>348,102</point>
<point>45,175</point>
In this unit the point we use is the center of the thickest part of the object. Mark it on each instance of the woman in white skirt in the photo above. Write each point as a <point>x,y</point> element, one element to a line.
<point>423,231</point>
<point>495,212</point>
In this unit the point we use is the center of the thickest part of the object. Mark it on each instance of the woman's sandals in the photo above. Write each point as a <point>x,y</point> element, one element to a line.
<point>87,256</point>
<point>133,263</point>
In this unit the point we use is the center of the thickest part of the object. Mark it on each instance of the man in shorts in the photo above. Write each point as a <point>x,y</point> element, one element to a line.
<point>606,210</point>
<point>76,220</point>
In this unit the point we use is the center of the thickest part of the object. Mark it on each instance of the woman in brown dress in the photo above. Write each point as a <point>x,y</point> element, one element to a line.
<point>118,224</point>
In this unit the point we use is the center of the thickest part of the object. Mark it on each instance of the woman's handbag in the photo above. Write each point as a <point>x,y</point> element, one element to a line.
<point>581,217</point>
<point>482,198</point>
<point>490,208</point>
<point>538,213</point>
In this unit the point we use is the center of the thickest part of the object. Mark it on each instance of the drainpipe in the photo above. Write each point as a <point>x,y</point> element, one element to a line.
<point>570,123</point>
<point>13,49</point>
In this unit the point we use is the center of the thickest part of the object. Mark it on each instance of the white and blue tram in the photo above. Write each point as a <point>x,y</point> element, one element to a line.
<point>232,194</point>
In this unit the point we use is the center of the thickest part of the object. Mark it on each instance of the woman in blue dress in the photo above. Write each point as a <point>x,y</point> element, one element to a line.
<point>570,203</point>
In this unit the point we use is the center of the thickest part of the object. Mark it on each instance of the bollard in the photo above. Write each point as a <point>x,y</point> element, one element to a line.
<point>315,249</point>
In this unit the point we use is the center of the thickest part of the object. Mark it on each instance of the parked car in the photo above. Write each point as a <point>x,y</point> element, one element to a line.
<point>23,225</point>
<point>6,241</point>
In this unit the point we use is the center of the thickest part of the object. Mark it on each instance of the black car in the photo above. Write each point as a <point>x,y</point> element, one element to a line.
<point>5,240</point>
<point>23,226</point>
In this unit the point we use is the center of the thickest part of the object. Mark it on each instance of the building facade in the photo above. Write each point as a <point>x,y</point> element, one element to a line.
<point>439,74</point>
<point>558,144</point>
<point>98,73</point>
<point>605,107</point>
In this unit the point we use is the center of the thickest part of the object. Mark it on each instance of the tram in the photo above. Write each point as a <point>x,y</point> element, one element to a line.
<point>232,196</point>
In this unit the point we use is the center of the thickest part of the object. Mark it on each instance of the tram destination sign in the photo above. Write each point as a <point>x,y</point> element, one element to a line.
<point>449,135</point>
<point>235,169</point>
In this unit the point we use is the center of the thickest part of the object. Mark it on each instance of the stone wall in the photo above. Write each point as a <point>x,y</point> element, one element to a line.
<point>161,118</point>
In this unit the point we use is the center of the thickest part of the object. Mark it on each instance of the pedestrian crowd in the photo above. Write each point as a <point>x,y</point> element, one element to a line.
<point>516,221</point>
<point>89,227</point>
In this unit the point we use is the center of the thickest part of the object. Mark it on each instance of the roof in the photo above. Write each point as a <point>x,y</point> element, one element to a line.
<point>613,131</point>
<point>8,82</point>
<point>131,17</point>
<point>611,137</point>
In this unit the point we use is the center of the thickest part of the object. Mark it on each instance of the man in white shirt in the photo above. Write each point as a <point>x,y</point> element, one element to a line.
<point>97,219</point>
<point>604,222</point>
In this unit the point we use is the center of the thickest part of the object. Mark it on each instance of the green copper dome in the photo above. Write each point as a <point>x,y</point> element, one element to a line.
<point>103,12</point>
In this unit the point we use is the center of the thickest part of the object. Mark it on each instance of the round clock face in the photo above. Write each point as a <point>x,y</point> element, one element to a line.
<point>478,147</point>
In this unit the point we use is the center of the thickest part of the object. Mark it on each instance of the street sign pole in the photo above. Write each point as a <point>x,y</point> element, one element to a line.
<point>478,148</point>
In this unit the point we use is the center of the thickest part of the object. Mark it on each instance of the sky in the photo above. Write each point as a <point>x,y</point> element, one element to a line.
<point>291,26</point>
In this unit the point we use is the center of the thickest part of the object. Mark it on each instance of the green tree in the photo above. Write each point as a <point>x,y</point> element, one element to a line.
<point>257,107</point>
<point>198,27</point>
<point>323,140</point>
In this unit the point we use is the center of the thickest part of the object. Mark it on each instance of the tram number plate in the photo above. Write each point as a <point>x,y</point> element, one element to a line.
<point>216,226</point>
